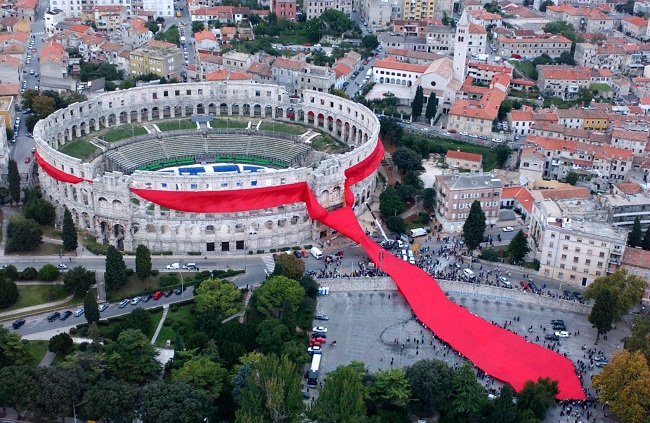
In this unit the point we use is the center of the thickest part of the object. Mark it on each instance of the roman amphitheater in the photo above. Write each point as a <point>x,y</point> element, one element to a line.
<point>98,189</point>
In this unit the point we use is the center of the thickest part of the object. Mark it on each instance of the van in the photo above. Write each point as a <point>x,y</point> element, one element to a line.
<point>468,273</point>
<point>418,232</point>
<point>318,254</point>
<point>173,266</point>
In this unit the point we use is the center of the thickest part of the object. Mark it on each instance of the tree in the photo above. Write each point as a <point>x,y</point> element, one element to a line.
<point>502,154</point>
<point>627,291</point>
<point>432,107</point>
<point>68,232</point>
<point>173,402</point>
<point>14,181</point>
<point>430,380</point>
<point>518,247</point>
<point>13,351</point>
<point>271,336</point>
<point>370,42</point>
<point>566,58</point>
<point>390,204</point>
<point>624,384</point>
<point>115,276</point>
<point>197,26</point>
<point>505,411</point>
<point>8,292</point>
<point>78,280</point>
<point>474,226</point>
<point>639,339</point>
<point>544,5</point>
<point>203,374</point>
<point>43,106</point>
<point>24,234</point>
<point>63,384</point>
<point>389,388</point>
<point>390,131</point>
<point>61,343</point>
<point>416,105</point>
<point>39,210</point>
<point>342,398</point>
<point>142,262</point>
<point>406,159</point>
<point>49,272</point>
<point>91,309</point>
<point>634,238</point>
<point>571,178</point>
<point>428,198</point>
<point>289,265</point>
<point>139,319</point>
<point>396,224</point>
<point>602,314</point>
<point>272,392</point>
<point>217,299</point>
<point>279,293</point>
<point>132,357</point>
<point>112,400</point>
<point>538,397</point>
<point>465,398</point>
<point>310,286</point>
<point>646,240</point>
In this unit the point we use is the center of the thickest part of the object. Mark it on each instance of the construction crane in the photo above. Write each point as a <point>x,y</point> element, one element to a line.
<point>387,241</point>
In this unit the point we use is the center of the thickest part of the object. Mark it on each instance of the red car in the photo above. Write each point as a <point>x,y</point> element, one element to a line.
<point>524,284</point>
<point>319,340</point>
<point>157,295</point>
<point>27,159</point>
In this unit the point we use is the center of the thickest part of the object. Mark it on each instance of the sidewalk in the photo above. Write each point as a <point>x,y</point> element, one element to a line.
<point>36,308</point>
<point>160,324</point>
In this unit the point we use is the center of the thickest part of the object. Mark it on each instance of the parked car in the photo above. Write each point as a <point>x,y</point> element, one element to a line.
<point>146,298</point>
<point>61,266</point>
<point>321,329</point>
<point>168,293</point>
<point>508,229</point>
<point>28,159</point>
<point>103,307</point>
<point>173,266</point>
<point>569,295</point>
<point>190,266</point>
<point>553,322</point>
<point>123,303</point>
<point>65,315</point>
<point>157,295</point>
<point>559,327</point>
<point>178,291</point>
<point>551,337</point>
<point>18,323</point>
<point>578,295</point>
<point>78,312</point>
<point>563,334</point>
<point>320,316</point>
<point>54,316</point>
<point>504,280</point>
<point>532,286</point>
<point>136,300</point>
<point>314,350</point>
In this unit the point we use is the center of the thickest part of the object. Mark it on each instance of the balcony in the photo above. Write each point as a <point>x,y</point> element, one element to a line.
<point>615,261</point>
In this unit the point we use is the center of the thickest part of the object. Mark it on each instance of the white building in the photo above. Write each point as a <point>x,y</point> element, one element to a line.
<point>573,240</point>
<point>74,8</point>
<point>460,47</point>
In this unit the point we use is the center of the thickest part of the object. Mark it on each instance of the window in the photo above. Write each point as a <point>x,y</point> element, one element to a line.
<point>577,249</point>
<point>563,256</point>
<point>565,248</point>
<point>601,255</point>
<point>551,245</point>
<point>567,237</point>
<point>587,261</point>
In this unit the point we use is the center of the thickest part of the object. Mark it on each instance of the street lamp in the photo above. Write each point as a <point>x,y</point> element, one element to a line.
<point>273,127</point>
<point>179,124</point>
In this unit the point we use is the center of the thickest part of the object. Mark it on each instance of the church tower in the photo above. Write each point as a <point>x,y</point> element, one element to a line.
<point>460,47</point>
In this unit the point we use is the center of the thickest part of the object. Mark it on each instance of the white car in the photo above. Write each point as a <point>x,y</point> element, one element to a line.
<point>464,134</point>
<point>103,307</point>
<point>473,136</point>
<point>320,329</point>
<point>504,280</point>
<point>78,312</point>
<point>314,350</point>
<point>173,266</point>
<point>563,334</point>
<point>508,229</point>
<point>61,266</point>
<point>136,300</point>
<point>497,140</point>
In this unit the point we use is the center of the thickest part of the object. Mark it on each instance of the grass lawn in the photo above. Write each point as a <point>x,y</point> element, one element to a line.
<point>30,295</point>
<point>488,153</point>
<point>49,231</point>
<point>175,125</point>
<point>525,67</point>
<point>112,325</point>
<point>79,149</point>
<point>93,246</point>
<point>38,349</point>
<point>122,132</point>
<point>284,128</point>
<point>328,144</point>
<point>182,317</point>
<point>229,123</point>
<point>45,249</point>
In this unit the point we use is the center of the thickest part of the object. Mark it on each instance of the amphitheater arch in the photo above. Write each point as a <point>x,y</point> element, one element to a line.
<point>324,197</point>
<point>239,228</point>
<point>209,229</point>
<point>85,221</point>
<point>294,220</point>
<point>74,194</point>
<point>257,110</point>
<point>311,118</point>
<point>282,222</point>
<point>123,117</point>
<point>92,124</point>
<point>212,109</point>
<point>103,229</point>
<point>112,120</point>
<point>155,113</point>
<point>200,109</point>
<point>279,112</point>
<point>150,228</point>
<point>224,229</point>
<point>167,112</point>
<point>235,109</point>
<point>330,123</point>
<point>178,110</point>
<point>134,115</point>
<point>195,230</point>
<point>165,230</point>
<point>246,109</point>
<point>223,109</point>
<point>189,110</point>
<point>180,230</point>
<point>135,227</point>
<point>268,224</point>
<point>320,122</point>
<point>74,130</point>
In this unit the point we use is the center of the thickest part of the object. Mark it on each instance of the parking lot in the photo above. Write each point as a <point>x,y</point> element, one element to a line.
<point>377,327</point>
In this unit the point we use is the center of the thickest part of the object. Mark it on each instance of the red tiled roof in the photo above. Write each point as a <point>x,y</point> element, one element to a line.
<point>521,194</point>
<point>629,188</point>
<point>392,63</point>
<point>636,257</point>
<point>461,155</point>
<point>225,75</point>
<point>565,193</point>
<point>636,21</point>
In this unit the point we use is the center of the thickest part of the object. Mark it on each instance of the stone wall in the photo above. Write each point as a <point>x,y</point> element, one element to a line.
<point>457,289</point>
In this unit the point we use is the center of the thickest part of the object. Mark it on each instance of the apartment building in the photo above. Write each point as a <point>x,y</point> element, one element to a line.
<point>105,18</point>
<point>483,18</point>
<point>637,262</point>
<point>572,239</point>
<point>297,76</point>
<point>635,141</point>
<point>520,121</point>
<point>284,9</point>
<point>380,13</point>
<point>584,19</point>
<point>440,39</point>
<point>157,57</point>
<point>483,73</point>
<point>563,81</point>
<point>602,165</point>
<point>635,26</point>
<point>455,194</point>
<point>315,8</point>
<point>476,116</point>
<point>74,8</point>
<point>626,202</point>
<point>476,39</point>
<point>457,159</point>
<point>589,119</point>
<point>413,10</point>
<point>533,46</point>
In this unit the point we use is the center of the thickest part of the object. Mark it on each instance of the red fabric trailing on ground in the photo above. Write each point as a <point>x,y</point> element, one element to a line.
<point>55,173</point>
<point>498,352</point>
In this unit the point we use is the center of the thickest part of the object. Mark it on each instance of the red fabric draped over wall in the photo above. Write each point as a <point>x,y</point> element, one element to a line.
<point>55,173</point>
<point>498,352</point>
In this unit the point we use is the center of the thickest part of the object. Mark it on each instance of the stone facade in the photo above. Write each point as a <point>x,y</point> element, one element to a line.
<point>105,206</point>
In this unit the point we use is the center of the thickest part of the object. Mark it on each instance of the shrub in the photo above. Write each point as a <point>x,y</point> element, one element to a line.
<point>61,343</point>
<point>167,280</point>
<point>260,251</point>
<point>490,254</point>
<point>29,273</point>
<point>48,272</point>
<point>307,247</point>
<point>194,253</point>
<point>273,250</point>
<point>155,272</point>
<point>56,291</point>
<point>11,272</point>
<point>129,272</point>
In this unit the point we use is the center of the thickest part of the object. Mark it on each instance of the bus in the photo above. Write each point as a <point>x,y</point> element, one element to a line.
<point>312,379</point>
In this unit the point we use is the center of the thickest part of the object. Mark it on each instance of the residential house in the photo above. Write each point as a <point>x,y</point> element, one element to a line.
<point>635,141</point>
<point>206,40</point>
<point>26,9</point>
<point>636,261</point>
<point>635,26</point>
<point>457,159</point>
<point>10,69</point>
<point>519,199</point>
<point>440,39</point>
<point>156,57</point>
<point>477,39</point>
<point>531,165</point>
<point>228,75</point>
<point>563,81</point>
<point>135,34</point>
<point>476,116</point>
<point>520,121</point>
<point>261,72</point>
<point>53,67</point>
<point>483,18</point>
<point>284,9</point>
<point>315,8</point>
<point>533,46</point>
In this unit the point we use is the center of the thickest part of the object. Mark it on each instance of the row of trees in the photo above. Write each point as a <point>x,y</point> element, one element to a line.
<point>418,104</point>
